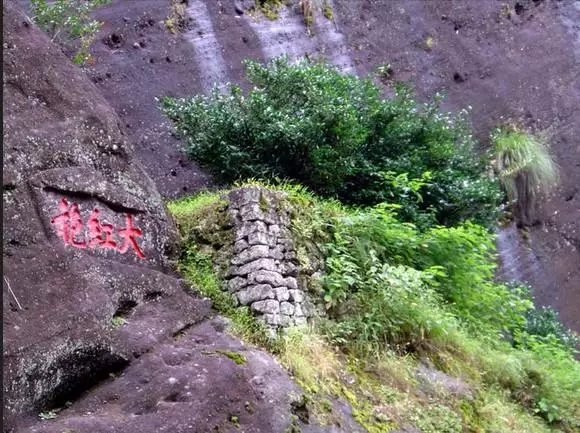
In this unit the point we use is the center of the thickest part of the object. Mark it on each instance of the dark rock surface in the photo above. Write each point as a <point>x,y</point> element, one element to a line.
<point>86,237</point>
<point>187,384</point>
<point>96,328</point>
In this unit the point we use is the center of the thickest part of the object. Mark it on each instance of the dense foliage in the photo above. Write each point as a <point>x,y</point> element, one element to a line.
<point>408,275</point>
<point>456,264</point>
<point>334,134</point>
<point>432,292</point>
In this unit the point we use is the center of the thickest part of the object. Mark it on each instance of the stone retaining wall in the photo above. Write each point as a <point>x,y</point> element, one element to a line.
<point>264,271</point>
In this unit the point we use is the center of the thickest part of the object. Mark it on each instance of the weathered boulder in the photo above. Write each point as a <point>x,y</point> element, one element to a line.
<point>201,381</point>
<point>86,237</point>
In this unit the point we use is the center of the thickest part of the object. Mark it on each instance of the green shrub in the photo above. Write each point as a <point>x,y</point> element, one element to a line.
<point>385,305</point>
<point>334,134</point>
<point>432,292</point>
<point>525,168</point>
<point>69,23</point>
<point>459,262</point>
<point>543,325</point>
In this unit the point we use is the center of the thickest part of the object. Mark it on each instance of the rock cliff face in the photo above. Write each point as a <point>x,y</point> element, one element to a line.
<point>86,237</point>
<point>96,327</point>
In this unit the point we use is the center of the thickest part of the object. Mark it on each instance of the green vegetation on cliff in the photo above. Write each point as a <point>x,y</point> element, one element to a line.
<point>400,212</point>
<point>69,23</point>
<point>402,303</point>
<point>525,168</point>
<point>334,134</point>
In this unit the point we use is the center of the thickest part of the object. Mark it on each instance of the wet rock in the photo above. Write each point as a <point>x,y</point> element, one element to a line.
<point>187,386</point>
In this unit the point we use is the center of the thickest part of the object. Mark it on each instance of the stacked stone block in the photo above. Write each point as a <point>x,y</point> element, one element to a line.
<point>264,268</point>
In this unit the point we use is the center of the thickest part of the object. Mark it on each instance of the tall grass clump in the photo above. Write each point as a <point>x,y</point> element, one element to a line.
<point>525,168</point>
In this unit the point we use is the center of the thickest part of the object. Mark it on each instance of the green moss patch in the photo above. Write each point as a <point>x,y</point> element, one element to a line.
<point>237,357</point>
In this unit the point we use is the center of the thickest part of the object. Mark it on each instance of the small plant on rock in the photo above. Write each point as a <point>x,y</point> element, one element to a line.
<point>50,414</point>
<point>307,9</point>
<point>118,321</point>
<point>68,22</point>
<point>525,168</point>
<point>269,7</point>
<point>327,10</point>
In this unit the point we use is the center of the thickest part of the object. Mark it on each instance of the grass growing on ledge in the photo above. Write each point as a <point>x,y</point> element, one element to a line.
<point>525,167</point>
<point>385,394</point>
<point>269,7</point>
<point>199,269</point>
<point>327,10</point>
<point>398,298</point>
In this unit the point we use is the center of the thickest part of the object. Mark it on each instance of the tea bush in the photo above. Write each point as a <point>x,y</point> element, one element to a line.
<point>334,134</point>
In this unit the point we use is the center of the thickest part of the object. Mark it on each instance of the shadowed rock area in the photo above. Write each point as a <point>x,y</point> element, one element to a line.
<point>96,327</point>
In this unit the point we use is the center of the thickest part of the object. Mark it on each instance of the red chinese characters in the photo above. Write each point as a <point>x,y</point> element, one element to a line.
<point>100,235</point>
<point>69,227</point>
<point>69,224</point>
<point>129,234</point>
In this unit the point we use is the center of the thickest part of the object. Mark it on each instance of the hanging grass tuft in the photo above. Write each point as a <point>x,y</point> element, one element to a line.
<point>525,168</point>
